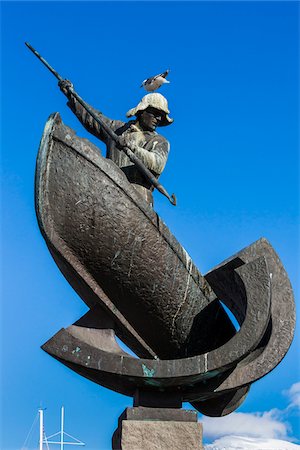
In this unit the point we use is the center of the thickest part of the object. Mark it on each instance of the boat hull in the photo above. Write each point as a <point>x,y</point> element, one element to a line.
<point>109,242</point>
<point>139,283</point>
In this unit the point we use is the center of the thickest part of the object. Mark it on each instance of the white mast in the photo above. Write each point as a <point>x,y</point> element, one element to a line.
<point>59,435</point>
<point>41,413</point>
<point>62,428</point>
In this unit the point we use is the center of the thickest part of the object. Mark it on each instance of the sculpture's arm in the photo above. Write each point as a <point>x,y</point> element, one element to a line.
<point>154,156</point>
<point>89,122</point>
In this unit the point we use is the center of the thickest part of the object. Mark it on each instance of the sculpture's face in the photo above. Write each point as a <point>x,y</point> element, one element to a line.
<point>150,118</point>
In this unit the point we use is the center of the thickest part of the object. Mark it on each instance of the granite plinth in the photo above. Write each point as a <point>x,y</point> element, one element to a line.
<point>158,429</point>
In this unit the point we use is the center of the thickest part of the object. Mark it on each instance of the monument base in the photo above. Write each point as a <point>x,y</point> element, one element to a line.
<point>142,428</point>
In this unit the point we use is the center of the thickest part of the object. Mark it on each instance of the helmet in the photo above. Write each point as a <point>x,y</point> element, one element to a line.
<point>156,101</point>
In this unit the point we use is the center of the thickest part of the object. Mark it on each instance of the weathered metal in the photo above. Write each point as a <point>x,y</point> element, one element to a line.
<point>141,285</point>
<point>113,241</point>
<point>138,163</point>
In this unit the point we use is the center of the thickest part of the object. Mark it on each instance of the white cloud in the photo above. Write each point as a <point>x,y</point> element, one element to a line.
<point>258,425</point>
<point>243,443</point>
<point>294,395</point>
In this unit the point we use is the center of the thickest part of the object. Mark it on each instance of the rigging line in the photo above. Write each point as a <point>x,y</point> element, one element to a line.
<point>30,431</point>
<point>52,435</point>
<point>75,439</point>
<point>45,440</point>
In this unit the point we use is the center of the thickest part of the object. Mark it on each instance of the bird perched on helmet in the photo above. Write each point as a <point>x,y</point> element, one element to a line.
<point>153,83</point>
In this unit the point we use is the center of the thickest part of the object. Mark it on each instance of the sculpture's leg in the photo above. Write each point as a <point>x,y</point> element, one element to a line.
<point>142,428</point>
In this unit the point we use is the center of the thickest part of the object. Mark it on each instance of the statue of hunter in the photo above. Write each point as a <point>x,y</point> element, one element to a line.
<point>138,135</point>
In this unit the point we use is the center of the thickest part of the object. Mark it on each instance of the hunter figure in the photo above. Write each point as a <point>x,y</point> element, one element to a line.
<point>138,135</point>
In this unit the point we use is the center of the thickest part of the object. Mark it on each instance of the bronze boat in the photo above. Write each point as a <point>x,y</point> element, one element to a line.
<point>141,284</point>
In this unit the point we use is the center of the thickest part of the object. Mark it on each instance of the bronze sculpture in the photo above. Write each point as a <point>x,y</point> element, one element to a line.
<point>141,285</point>
<point>138,135</point>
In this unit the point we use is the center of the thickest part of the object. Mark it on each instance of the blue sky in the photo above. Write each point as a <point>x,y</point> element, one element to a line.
<point>234,166</point>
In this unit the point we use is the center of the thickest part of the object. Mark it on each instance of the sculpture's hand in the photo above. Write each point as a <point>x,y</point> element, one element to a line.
<point>64,86</point>
<point>124,141</point>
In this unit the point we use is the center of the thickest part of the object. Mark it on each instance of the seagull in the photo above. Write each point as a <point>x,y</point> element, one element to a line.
<point>153,83</point>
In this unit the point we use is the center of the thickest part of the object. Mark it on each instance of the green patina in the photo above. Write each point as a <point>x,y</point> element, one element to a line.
<point>147,372</point>
<point>77,350</point>
<point>212,374</point>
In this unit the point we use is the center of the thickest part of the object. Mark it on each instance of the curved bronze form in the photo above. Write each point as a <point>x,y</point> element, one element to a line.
<point>141,285</point>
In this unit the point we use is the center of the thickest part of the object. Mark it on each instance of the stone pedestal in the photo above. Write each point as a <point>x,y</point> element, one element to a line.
<point>142,428</point>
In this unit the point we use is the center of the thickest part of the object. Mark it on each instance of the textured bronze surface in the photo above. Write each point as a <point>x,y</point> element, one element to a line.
<point>141,285</point>
<point>105,237</point>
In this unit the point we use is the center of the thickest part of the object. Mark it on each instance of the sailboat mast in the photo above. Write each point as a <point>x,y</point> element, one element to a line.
<point>62,428</point>
<point>41,413</point>
<point>56,438</point>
